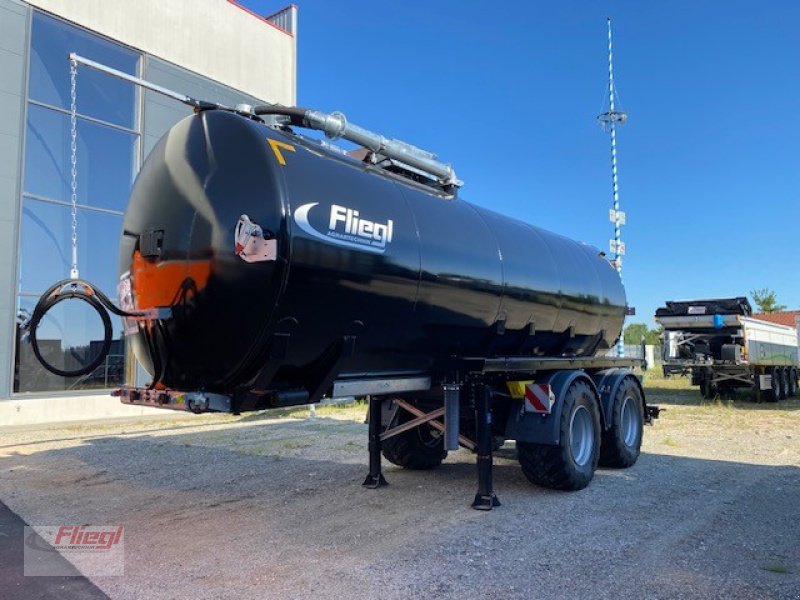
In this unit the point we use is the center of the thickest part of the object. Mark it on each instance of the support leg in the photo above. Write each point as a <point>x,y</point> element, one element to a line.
<point>485,499</point>
<point>375,478</point>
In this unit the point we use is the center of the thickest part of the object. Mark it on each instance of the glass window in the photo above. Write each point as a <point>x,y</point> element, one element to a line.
<point>46,246</point>
<point>105,159</point>
<point>99,95</point>
<point>69,336</point>
<point>72,332</point>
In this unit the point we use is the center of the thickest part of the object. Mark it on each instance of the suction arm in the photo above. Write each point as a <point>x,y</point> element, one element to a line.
<point>335,126</point>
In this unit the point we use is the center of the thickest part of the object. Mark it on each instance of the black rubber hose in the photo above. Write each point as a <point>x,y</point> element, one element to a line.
<point>80,289</point>
<point>48,302</point>
<point>296,115</point>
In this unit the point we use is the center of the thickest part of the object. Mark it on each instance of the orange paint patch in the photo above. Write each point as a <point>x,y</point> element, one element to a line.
<point>162,283</point>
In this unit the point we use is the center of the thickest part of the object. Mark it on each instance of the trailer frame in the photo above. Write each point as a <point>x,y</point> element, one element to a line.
<point>471,382</point>
<point>473,389</point>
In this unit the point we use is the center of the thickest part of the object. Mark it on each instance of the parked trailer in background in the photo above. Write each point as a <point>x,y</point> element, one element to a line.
<point>725,348</point>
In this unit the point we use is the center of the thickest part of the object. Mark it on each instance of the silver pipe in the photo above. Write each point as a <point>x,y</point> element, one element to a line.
<point>335,125</point>
<point>136,80</point>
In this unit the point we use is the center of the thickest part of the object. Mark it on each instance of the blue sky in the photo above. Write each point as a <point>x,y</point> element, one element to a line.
<point>508,92</point>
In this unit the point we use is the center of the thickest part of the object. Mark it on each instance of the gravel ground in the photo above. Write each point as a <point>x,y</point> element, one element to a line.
<point>265,507</point>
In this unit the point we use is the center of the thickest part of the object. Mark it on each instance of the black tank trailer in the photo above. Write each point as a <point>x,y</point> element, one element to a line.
<point>267,269</point>
<point>292,271</point>
<point>413,275</point>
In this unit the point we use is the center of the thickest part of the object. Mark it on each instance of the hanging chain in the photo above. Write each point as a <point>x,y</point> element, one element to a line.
<point>73,120</point>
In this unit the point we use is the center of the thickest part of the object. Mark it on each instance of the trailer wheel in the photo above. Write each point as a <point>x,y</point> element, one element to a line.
<point>708,389</point>
<point>420,448</point>
<point>792,382</point>
<point>780,388</point>
<point>775,393</point>
<point>621,443</point>
<point>784,383</point>
<point>569,465</point>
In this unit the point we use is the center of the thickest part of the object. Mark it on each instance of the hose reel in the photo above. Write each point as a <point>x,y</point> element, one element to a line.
<point>79,289</point>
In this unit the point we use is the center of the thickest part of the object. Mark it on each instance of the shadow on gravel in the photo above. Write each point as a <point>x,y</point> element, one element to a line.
<point>269,460</point>
<point>210,498</point>
<point>277,460</point>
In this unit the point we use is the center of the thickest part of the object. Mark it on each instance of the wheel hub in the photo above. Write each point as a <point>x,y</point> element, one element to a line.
<point>581,435</point>
<point>630,421</point>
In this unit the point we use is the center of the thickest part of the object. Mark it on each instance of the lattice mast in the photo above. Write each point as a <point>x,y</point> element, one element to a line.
<point>609,121</point>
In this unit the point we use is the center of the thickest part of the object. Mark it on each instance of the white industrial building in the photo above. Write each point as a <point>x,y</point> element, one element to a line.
<point>208,49</point>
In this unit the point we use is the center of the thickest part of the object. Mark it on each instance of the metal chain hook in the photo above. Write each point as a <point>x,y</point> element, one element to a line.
<point>73,118</point>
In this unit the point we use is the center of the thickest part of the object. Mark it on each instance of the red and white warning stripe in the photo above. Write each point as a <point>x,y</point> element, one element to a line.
<point>539,398</point>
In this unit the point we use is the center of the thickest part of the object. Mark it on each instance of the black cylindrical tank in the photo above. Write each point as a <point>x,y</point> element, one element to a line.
<point>340,248</point>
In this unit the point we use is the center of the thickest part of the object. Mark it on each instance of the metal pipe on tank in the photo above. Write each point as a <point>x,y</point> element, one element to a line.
<point>335,125</point>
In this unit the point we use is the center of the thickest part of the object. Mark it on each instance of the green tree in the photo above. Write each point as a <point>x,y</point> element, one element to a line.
<point>636,331</point>
<point>766,301</point>
<point>653,336</point>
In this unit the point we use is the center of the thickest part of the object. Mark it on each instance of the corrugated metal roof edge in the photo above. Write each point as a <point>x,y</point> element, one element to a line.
<point>266,19</point>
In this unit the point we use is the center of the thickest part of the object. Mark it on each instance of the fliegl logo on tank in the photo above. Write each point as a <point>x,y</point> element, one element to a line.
<point>346,227</point>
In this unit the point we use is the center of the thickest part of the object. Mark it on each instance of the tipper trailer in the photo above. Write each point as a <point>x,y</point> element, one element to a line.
<point>724,348</point>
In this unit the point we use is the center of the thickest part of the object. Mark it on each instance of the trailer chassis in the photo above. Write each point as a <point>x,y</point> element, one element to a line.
<point>473,388</point>
<point>471,383</point>
<point>714,377</point>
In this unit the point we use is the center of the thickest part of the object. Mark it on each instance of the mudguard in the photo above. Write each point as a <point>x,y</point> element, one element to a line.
<point>607,383</point>
<point>542,428</point>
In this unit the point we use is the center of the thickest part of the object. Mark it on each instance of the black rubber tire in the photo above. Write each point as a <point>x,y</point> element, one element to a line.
<point>615,451</point>
<point>785,393</point>
<point>419,449</point>
<point>782,389</point>
<point>792,381</point>
<point>553,466</point>
<point>774,393</point>
<point>708,390</point>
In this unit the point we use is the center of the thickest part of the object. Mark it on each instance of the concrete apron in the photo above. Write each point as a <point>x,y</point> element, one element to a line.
<point>22,410</point>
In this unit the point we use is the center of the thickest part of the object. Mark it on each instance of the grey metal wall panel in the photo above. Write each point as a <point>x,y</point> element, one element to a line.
<point>286,19</point>
<point>6,359</point>
<point>7,268</point>
<point>8,189</point>
<point>9,155</point>
<point>11,111</point>
<point>12,67</point>
<point>13,51</point>
<point>12,37</point>
<point>7,249</point>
